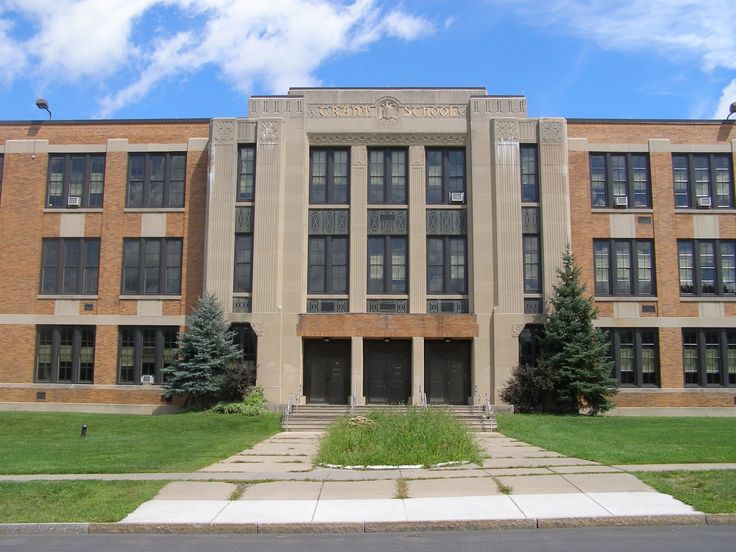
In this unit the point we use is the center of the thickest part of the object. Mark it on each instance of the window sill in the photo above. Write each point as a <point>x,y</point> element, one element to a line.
<point>388,206</point>
<point>388,296</point>
<point>447,296</point>
<point>708,299</point>
<point>704,211</point>
<point>447,205</point>
<point>327,296</point>
<point>689,389</point>
<point>69,297</point>
<point>623,210</point>
<point>151,297</point>
<point>62,210</point>
<point>329,205</point>
<point>154,210</point>
<point>625,299</point>
<point>249,203</point>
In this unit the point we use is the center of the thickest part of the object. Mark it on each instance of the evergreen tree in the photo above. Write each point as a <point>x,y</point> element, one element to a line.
<point>574,351</point>
<point>205,349</point>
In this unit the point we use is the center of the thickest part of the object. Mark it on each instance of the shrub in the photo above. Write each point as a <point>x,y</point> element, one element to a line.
<point>237,380</point>
<point>251,405</point>
<point>529,388</point>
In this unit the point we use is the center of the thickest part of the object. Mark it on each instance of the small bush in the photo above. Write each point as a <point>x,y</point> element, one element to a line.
<point>529,388</point>
<point>237,380</point>
<point>251,405</point>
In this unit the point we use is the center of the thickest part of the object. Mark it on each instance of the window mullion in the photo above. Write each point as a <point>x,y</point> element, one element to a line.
<point>387,170</point>
<point>167,179</point>
<point>638,374</point>
<point>76,347</point>
<point>634,263</point>
<point>55,343</point>
<point>702,377</point>
<point>717,261</point>
<point>723,346</point>
<point>612,276</point>
<point>609,181</point>
<point>159,348</point>
<point>447,269</point>
<point>696,267</point>
<point>329,175</point>
<point>328,264</point>
<point>692,201</point>
<point>162,246</point>
<point>138,355</point>
<point>67,178</point>
<point>142,265</point>
<point>146,180</point>
<point>617,353</point>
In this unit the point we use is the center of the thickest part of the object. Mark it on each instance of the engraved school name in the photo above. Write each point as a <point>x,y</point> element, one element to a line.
<point>388,111</point>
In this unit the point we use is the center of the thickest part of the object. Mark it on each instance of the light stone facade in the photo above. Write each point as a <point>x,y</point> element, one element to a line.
<point>284,129</point>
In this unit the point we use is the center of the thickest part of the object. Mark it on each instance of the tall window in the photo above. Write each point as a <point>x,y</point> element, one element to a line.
<point>65,354</point>
<point>707,267</point>
<point>75,180</point>
<point>445,174</point>
<point>156,180</point>
<point>387,176</point>
<point>530,341</point>
<point>532,266</point>
<point>328,264</point>
<point>709,356</point>
<point>529,173</point>
<point>246,173</point>
<point>70,266</point>
<point>702,180</point>
<point>145,351</point>
<point>387,264</point>
<point>624,267</point>
<point>243,262</point>
<point>152,266</point>
<point>446,265</point>
<point>635,356</point>
<point>329,175</point>
<point>620,180</point>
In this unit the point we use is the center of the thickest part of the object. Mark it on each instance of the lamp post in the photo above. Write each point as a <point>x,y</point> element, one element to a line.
<point>731,110</point>
<point>43,104</point>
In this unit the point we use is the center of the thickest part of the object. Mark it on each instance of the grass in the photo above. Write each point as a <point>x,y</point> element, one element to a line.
<point>414,437</point>
<point>117,443</point>
<point>627,440</point>
<point>712,492</point>
<point>73,501</point>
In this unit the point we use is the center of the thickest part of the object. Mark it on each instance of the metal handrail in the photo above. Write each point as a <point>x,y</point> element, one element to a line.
<point>287,411</point>
<point>298,398</point>
<point>489,407</point>
<point>353,400</point>
<point>476,399</point>
<point>422,399</point>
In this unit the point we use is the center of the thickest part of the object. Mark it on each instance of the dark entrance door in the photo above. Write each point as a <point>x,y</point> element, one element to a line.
<point>447,372</point>
<point>327,371</point>
<point>387,371</point>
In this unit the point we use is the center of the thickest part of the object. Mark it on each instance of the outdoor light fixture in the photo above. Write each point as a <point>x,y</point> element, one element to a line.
<point>43,104</point>
<point>731,110</point>
<point>83,433</point>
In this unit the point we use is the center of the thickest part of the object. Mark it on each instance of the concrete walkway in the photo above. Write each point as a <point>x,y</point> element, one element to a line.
<point>516,482</point>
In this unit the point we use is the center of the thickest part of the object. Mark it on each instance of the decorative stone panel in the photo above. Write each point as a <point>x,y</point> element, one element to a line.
<point>399,306</point>
<point>327,305</point>
<point>447,306</point>
<point>443,222</point>
<point>244,220</point>
<point>334,222</point>
<point>241,304</point>
<point>387,222</point>
<point>530,220</point>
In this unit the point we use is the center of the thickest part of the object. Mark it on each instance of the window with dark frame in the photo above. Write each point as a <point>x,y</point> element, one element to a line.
<point>387,180</point>
<point>445,174</point>
<point>243,263</point>
<point>245,338</point>
<point>707,267</point>
<point>156,180</point>
<point>246,173</point>
<point>709,357</point>
<point>624,267</point>
<point>387,264</point>
<point>75,180</point>
<point>529,173</point>
<point>329,176</point>
<point>702,180</point>
<point>446,265</point>
<point>70,266</point>
<point>620,175</point>
<point>328,264</point>
<point>635,354</point>
<point>152,266</point>
<point>65,354</point>
<point>145,351</point>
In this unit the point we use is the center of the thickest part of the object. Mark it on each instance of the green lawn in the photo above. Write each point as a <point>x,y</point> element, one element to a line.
<point>117,443</point>
<point>712,492</point>
<point>73,501</point>
<point>417,436</point>
<point>627,440</point>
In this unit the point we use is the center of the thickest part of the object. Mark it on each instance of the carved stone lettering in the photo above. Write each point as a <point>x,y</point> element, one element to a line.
<point>387,139</point>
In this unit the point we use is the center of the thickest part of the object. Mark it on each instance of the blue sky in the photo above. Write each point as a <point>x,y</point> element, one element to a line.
<point>202,58</point>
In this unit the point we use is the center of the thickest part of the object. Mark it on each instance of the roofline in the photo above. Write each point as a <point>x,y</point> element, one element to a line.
<point>653,121</point>
<point>387,88</point>
<point>58,122</point>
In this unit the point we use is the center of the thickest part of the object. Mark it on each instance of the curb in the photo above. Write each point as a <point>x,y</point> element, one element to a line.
<point>359,527</point>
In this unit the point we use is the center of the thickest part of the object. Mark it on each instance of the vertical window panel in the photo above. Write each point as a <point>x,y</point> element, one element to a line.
<point>445,173</point>
<point>529,173</point>
<point>703,180</point>
<point>156,180</point>
<point>80,176</point>
<point>531,264</point>
<point>329,175</point>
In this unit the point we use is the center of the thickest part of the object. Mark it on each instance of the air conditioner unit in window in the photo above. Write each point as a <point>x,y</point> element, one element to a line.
<point>147,379</point>
<point>457,197</point>
<point>622,201</point>
<point>73,201</point>
<point>704,202</point>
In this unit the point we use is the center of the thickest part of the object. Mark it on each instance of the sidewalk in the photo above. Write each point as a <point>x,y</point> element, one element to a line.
<point>517,482</point>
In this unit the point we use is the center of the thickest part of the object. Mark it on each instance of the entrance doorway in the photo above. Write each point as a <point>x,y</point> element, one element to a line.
<point>387,371</point>
<point>447,371</point>
<point>327,371</point>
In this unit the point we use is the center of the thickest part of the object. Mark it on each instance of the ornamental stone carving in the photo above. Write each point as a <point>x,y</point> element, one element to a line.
<point>416,156</point>
<point>550,132</point>
<point>397,139</point>
<point>516,330</point>
<point>359,156</point>
<point>507,131</point>
<point>223,132</point>
<point>268,132</point>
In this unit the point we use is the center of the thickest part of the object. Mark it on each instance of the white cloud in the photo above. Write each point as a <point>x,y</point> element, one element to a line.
<point>279,43</point>
<point>684,30</point>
